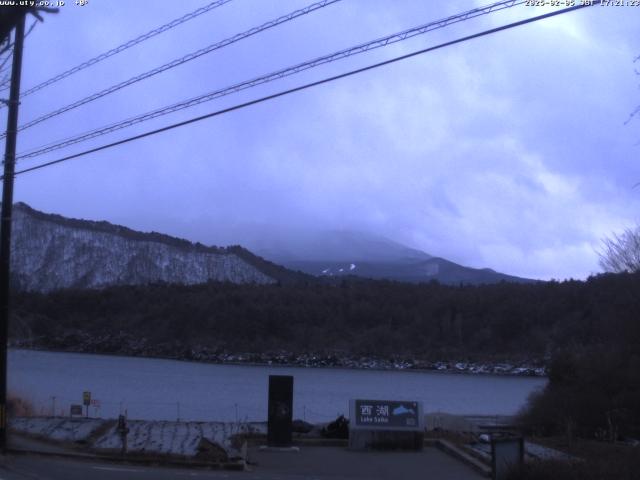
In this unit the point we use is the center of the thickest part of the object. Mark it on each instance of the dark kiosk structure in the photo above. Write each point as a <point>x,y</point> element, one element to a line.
<point>280,410</point>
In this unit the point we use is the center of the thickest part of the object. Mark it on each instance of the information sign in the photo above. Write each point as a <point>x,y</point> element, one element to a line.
<point>398,415</point>
<point>75,410</point>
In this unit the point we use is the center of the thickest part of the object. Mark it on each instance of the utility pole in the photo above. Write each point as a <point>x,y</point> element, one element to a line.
<point>5,220</point>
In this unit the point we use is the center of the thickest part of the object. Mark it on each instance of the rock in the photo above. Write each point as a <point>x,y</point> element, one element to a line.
<point>211,451</point>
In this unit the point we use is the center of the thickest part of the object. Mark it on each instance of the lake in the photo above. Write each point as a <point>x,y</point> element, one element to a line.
<point>168,389</point>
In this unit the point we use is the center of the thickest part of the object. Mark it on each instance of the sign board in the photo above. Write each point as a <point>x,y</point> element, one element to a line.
<point>95,402</point>
<point>386,415</point>
<point>386,425</point>
<point>86,398</point>
<point>75,410</point>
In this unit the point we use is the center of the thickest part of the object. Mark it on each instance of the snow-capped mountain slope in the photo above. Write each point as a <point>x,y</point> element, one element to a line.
<point>340,253</point>
<point>51,252</point>
<point>434,268</point>
<point>334,246</point>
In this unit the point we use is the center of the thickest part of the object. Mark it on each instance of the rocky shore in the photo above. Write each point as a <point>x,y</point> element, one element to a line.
<point>126,345</point>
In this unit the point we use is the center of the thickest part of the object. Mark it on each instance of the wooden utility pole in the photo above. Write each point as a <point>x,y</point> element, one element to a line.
<point>5,219</point>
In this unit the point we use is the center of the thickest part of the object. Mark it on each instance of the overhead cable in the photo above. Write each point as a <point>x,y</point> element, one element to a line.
<point>125,46</point>
<point>304,87</point>
<point>179,61</point>
<point>285,72</point>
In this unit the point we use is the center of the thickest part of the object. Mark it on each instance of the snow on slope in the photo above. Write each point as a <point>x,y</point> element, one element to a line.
<point>48,254</point>
<point>145,436</point>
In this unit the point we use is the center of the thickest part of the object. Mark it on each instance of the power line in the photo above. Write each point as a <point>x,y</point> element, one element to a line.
<point>364,47</point>
<point>7,81</point>
<point>33,25</point>
<point>8,49</point>
<point>4,62</point>
<point>304,87</point>
<point>191,56</point>
<point>125,46</point>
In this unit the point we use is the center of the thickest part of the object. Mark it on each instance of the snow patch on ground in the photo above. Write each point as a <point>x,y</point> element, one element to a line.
<point>60,429</point>
<point>532,451</point>
<point>145,436</point>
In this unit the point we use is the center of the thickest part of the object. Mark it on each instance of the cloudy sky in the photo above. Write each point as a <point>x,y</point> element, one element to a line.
<point>509,151</point>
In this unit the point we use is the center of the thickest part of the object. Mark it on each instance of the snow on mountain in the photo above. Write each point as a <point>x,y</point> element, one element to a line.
<point>51,252</point>
<point>339,253</point>
<point>347,247</point>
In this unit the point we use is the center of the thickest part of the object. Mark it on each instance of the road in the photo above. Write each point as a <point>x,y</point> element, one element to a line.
<point>310,463</point>
<point>29,467</point>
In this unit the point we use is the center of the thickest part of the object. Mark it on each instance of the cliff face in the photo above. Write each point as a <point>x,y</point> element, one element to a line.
<point>51,252</point>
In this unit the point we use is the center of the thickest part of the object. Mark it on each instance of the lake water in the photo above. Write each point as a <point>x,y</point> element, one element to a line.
<point>167,389</point>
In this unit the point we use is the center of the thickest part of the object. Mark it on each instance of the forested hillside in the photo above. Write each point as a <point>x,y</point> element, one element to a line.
<point>355,317</point>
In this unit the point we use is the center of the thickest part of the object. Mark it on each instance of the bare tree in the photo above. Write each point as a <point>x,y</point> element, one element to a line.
<point>621,253</point>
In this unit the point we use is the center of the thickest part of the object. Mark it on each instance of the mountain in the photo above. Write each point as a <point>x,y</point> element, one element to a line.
<point>51,252</point>
<point>336,246</point>
<point>342,253</point>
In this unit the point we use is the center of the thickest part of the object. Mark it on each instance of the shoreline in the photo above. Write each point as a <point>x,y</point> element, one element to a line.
<point>501,369</point>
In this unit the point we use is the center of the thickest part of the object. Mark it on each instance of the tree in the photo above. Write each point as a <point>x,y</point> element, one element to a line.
<point>621,253</point>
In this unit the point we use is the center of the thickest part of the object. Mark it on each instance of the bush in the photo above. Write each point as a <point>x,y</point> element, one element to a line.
<point>592,393</point>
<point>19,407</point>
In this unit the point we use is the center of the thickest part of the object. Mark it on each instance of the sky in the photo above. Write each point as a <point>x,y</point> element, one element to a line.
<point>513,151</point>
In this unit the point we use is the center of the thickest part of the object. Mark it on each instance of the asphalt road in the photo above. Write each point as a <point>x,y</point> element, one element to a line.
<point>310,463</point>
<point>29,467</point>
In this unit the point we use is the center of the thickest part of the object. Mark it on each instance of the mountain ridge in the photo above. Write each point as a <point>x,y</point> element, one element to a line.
<point>50,251</point>
<point>337,253</point>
